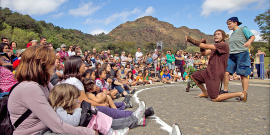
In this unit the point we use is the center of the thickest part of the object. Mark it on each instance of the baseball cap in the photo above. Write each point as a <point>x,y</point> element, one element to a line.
<point>234,19</point>
<point>63,45</point>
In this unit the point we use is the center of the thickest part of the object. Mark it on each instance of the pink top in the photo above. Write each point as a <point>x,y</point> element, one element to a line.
<point>7,79</point>
<point>30,95</point>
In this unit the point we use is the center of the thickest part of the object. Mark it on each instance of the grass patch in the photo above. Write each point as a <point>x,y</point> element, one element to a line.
<point>266,62</point>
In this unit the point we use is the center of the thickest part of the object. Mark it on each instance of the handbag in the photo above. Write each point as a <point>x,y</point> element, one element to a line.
<point>87,113</point>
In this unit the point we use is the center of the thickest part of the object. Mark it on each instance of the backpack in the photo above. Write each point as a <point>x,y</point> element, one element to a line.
<point>5,124</point>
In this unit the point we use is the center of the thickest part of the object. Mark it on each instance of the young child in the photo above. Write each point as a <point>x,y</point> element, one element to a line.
<point>154,76</point>
<point>146,76</point>
<point>166,77</point>
<point>64,99</point>
<point>103,85</point>
<point>93,93</point>
<point>185,75</point>
<point>162,70</point>
<point>130,78</point>
<point>93,60</point>
<point>139,78</point>
<point>174,76</point>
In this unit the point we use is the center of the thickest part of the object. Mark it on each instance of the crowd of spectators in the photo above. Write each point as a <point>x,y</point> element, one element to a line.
<point>54,82</point>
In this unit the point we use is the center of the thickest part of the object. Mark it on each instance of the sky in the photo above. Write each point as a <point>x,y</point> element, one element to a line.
<point>97,16</point>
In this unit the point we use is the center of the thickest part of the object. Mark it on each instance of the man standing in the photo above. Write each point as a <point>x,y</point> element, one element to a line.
<point>155,58</point>
<point>50,45</point>
<point>34,42</point>
<point>239,60</point>
<point>212,76</point>
<point>42,40</point>
<point>94,51</point>
<point>257,62</point>
<point>138,55</point>
<point>123,59</point>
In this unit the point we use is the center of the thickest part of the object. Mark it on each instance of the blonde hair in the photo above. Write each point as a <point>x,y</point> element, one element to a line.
<point>64,95</point>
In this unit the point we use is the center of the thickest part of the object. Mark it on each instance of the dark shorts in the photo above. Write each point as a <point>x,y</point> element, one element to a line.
<point>212,84</point>
<point>239,63</point>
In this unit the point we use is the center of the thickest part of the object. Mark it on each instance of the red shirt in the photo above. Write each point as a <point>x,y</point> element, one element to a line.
<point>28,45</point>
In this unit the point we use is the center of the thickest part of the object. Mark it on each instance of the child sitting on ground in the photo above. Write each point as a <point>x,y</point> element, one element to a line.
<point>93,93</point>
<point>130,79</point>
<point>64,99</point>
<point>154,76</point>
<point>146,76</point>
<point>166,78</point>
<point>139,78</point>
<point>174,76</point>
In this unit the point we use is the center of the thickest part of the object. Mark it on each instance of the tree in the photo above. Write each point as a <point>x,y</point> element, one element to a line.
<point>263,20</point>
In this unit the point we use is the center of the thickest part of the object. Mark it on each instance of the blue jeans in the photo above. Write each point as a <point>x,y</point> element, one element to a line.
<point>258,70</point>
<point>239,63</point>
<point>170,65</point>
<point>3,93</point>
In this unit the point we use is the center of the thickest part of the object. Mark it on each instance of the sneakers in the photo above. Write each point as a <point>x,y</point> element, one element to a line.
<point>127,101</point>
<point>175,130</point>
<point>172,82</point>
<point>119,131</point>
<point>150,82</point>
<point>223,91</point>
<point>149,112</point>
<point>133,91</point>
<point>139,114</point>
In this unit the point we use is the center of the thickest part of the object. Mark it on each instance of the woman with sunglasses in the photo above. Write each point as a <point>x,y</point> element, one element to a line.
<point>170,59</point>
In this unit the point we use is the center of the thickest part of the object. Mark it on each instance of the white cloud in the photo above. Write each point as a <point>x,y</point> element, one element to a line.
<point>149,11</point>
<point>84,9</point>
<point>98,31</point>
<point>256,34</point>
<point>231,6</point>
<point>122,16</point>
<point>57,15</point>
<point>32,7</point>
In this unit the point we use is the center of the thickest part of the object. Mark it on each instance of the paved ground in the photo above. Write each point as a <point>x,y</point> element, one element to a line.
<point>200,116</point>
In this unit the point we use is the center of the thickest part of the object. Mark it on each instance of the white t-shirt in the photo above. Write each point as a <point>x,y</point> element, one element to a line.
<point>137,55</point>
<point>123,58</point>
<point>74,81</point>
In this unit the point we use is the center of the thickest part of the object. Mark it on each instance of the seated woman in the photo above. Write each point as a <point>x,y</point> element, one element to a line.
<point>130,79</point>
<point>93,93</point>
<point>4,48</point>
<point>175,77</point>
<point>7,77</point>
<point>36,67</point>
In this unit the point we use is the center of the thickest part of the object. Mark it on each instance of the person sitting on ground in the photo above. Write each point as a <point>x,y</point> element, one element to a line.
<point>139,79</point>
<point>104,85</point>
<point>6,59</point>
<point>126,87</point>
<point>162,70</point>
<point>73,69</point>
<point>64,99</point>
<point>93,92</point>
<point>166,77</point>
<point>123,72</point>
<point>7,77</point>
<point>135,70</point>
<point>153,75</point>
<point>178,73</point>
<point>146,76</point>
<point>213,75</point>
<point>130,79</point>
<point>175,77</point>
<point>36,67</point>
